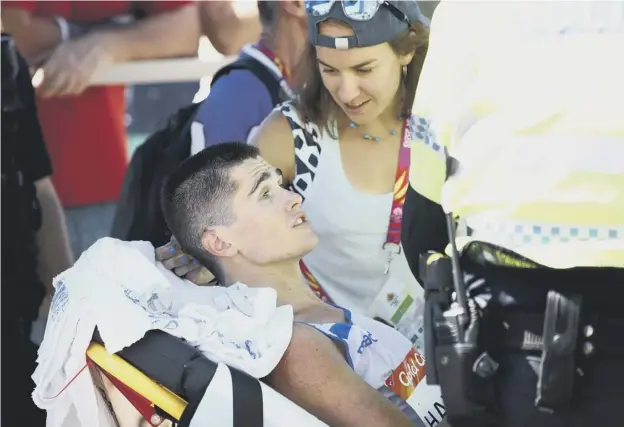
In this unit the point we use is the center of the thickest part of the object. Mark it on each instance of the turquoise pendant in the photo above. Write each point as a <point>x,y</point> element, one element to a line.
<point>367,136</point>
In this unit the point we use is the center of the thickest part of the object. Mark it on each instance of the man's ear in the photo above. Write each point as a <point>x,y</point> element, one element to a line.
<point>214,240</point>
<point>294,8</point>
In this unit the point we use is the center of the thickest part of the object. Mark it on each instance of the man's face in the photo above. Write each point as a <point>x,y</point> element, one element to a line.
<point>269,225</point>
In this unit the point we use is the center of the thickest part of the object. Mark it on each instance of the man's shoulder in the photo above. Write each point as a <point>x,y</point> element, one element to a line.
<point>237,74</point>
<point>239,89</point>
<point>237,98</point>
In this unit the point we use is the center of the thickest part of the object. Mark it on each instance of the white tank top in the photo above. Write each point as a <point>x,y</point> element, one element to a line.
<point>349,261</point>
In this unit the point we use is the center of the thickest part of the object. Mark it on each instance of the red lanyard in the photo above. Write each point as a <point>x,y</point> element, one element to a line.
<point>278,62</point>
<point>392,245</point>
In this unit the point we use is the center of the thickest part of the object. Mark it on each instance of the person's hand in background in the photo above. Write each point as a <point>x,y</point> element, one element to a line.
<point>68,69</point>
<point>182,264</point>
<point>65,66</point>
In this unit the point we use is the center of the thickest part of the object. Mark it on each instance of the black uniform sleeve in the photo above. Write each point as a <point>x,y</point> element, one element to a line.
<point>31,149</point>
<point>424,228</point>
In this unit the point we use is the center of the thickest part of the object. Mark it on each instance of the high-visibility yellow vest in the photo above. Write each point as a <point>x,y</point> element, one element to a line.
<point>529,100</point>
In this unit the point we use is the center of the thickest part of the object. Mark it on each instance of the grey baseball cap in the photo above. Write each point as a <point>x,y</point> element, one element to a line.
<point>373,21</point>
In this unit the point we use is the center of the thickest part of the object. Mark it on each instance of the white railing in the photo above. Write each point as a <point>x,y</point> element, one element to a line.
<point>198,69</point>
<point>190,69</point>
<point>160,71</point>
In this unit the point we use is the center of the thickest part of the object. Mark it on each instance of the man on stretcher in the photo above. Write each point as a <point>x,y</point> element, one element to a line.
<point>228,209</point>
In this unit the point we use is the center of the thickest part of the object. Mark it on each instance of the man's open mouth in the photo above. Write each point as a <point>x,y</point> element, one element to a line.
<point>301,219</point>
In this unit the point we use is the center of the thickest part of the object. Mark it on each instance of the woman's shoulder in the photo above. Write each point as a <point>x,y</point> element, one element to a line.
<point>287,110</point>
<point>285,136</point>
<point>274,139</point>
<point>297,121</point>
<point>283,121</point>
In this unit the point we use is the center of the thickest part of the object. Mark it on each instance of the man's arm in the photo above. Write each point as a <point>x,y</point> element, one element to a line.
<point>33,35</point>
<point>168,33</point>
<point>314,374</point>
<point>229,25</point>
<point>170,29</point>
<point>165,32</point>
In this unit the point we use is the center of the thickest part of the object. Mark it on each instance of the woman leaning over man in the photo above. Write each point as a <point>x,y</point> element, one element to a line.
<point>343,145</point>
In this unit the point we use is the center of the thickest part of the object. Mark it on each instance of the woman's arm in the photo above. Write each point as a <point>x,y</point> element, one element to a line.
<point>274,139</point>
<point>314,375</point>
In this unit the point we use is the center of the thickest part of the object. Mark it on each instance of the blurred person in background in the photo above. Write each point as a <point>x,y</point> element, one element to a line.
<point>84,127</point>
<point>35,247</point>
<point>229,24</point>
<point>239,99</point>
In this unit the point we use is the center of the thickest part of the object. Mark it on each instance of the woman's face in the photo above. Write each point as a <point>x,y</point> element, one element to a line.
<point>363,81</point>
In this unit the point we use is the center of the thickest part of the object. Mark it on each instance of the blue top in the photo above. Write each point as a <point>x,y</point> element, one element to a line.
<point>238,102</point>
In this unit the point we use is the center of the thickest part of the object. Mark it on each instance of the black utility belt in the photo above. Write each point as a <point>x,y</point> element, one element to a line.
<point>597,335</point>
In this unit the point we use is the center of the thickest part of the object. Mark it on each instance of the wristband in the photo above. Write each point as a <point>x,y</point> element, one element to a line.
<point>64,27</point>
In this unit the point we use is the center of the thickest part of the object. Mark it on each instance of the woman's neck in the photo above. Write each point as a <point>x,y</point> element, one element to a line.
<point>385,125</point>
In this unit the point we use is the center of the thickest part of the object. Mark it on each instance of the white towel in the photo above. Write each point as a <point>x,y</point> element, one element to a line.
<point>120,288</point>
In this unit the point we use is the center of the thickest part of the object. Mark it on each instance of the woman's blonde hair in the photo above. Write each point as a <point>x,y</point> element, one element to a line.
<point>315,103</point>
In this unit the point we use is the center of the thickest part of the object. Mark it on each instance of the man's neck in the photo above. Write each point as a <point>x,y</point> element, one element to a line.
<point>287,48</point>
<point>285,278</point>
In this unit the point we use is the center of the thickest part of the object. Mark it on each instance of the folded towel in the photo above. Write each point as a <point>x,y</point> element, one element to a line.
<point>119,288</point>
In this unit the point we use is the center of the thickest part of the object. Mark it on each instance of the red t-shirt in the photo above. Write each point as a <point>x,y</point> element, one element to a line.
<point>86,134</point>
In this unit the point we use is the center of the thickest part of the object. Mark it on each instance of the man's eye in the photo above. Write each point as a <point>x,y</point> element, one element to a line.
<point>364,70</point>
<point>328,71</point>
<point>265,194</point>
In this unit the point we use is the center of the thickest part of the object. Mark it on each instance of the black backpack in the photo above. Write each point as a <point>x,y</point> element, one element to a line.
<point>138,215</point>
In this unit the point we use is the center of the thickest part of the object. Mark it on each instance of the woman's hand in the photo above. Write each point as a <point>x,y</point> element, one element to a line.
<point>182,264</point>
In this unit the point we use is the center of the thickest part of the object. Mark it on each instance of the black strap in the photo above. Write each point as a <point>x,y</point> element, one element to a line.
<point>523,331</point>
<point>268,79</point>
<point>247,402</point>
<point>171,362</point>
<point>247,396</point>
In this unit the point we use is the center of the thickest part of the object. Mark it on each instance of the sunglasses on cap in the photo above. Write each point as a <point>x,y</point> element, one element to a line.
<point>357,10</point>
